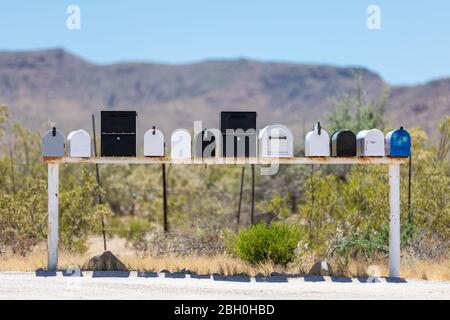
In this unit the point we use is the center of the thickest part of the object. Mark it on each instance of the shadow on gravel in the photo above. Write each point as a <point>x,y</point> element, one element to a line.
<point>341,279</point>
<point>45,273</point>
<point>147,274</point>
<point>396,280</point>
<point>110,274</point>
<point>231,278</point>
<point>175,275</point>
<point>314,279</point>
<point>200,276</point>
<point>272,279</point>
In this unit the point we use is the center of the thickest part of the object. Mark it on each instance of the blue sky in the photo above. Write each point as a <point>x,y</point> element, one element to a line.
<point>413,45</point>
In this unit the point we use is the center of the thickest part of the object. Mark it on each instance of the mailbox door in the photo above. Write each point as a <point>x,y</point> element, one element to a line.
<point>154,143</point>
<point>118,145</point>
<point>278,142</point>
<point>400,144</point>
<point>53,146</point>
<point>370,143</point>
<point>317,145</point>
<point>205,146</point>
<point>79,144</point>
<point>180,145</point>
<point>244,145</point>
<point>374,148</point>
<point>345,144</point>
<point>209,146</point>
<point>79,148</point>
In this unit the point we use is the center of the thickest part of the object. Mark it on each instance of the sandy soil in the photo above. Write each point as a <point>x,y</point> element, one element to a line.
<point>29,285</point>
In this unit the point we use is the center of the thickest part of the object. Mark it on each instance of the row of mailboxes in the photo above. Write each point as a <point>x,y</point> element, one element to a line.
<point>274,141</point>
<point>237,137</point>
<point>367,143</point>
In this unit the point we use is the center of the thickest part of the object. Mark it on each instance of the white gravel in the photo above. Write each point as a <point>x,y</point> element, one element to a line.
<point>27,285</point>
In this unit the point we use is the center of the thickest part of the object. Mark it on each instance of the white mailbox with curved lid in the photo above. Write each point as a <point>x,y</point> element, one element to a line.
<point>153,143</point>
<point>79,144</point>
<point>181,144</point>
<point>317,142</point>
<point>370,143</point>
<point>276,141</point>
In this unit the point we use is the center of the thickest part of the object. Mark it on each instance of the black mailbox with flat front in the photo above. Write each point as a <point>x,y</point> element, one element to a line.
<point>244,141</point>
<point>118,133</point>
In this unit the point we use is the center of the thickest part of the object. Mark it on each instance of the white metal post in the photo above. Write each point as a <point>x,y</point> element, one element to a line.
<point>53,228</point>
<point>394,221</point>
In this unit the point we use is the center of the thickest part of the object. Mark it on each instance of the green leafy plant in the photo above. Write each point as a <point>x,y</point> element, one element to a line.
<point>260,243</point>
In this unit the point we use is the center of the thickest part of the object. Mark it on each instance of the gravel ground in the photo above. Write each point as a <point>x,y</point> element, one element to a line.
<point>30,285</point>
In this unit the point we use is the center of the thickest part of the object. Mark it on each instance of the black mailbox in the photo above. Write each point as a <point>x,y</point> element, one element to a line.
<point>343,144</point>
<point>118,133</point>
<point>205,144</point>
<point>240,127</point>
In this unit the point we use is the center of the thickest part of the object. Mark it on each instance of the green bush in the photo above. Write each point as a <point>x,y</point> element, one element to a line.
<point>260,243</point>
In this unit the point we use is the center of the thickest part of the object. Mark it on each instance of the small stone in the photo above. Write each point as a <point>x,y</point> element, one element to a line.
<point>259,275</point>
<point>164,271</point>
<point>107,261</point>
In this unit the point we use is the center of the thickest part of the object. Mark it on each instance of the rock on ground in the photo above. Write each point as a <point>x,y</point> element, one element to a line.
<point>107,261</point>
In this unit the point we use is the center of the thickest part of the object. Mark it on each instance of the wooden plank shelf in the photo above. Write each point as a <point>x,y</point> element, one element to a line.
<point>228,161</point>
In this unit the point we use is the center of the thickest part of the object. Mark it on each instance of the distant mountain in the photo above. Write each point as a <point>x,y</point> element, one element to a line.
<point>56,86</point>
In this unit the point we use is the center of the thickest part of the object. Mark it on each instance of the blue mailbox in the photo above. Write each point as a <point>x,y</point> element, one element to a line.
<point>398,143</point>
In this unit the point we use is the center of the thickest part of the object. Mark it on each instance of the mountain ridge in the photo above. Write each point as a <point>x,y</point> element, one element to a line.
<point>39,85</point>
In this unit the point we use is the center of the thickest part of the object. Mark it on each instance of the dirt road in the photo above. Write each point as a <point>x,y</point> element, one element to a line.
<point>178,286</point>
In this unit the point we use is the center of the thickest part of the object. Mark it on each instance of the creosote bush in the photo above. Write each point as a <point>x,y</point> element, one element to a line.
<point>275,243</point>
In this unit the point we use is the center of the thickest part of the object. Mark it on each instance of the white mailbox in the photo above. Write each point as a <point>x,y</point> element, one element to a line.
<point>79,144</point>
<point>53,144</point>
<point>276,141</point>
<point>370,143</point>
<point>317,142</point>
<point>153,143</point>
<point>181,144</point>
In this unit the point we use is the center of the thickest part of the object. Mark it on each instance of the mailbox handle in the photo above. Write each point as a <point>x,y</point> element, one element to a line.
<point>54,131</point>
<point>319,128</point>
<point>154,130</point>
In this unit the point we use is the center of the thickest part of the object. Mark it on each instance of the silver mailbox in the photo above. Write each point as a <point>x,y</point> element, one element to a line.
<point>53,144</point>
<point>317,142</point>
<point>154,143</point>
<point>276,141</point>
<point>370,143</point>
